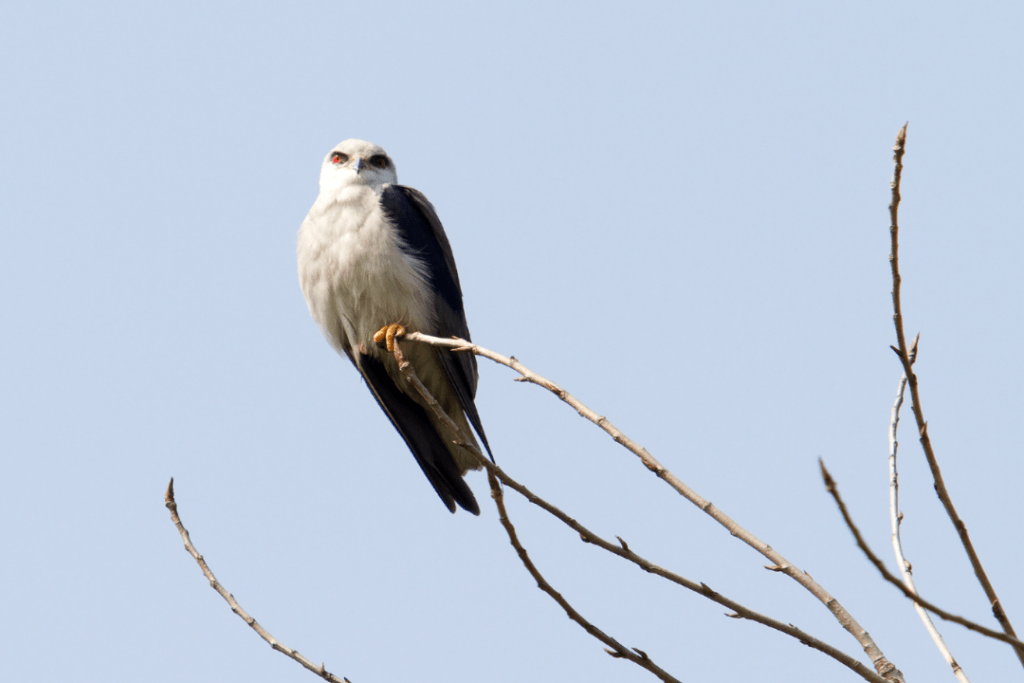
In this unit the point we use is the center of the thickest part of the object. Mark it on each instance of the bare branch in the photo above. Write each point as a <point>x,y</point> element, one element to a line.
<point>922,425</point>
<point>235,607</point>
<point>885,668</point>
<point>622,549</point>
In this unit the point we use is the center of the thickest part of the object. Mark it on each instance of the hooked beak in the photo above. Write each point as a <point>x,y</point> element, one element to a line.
<point>358,164</point>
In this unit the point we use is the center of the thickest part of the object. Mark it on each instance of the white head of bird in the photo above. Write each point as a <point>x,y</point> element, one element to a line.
<point>357,162</point>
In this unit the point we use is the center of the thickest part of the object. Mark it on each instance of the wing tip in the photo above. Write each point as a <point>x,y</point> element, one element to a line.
<point>455,493</point>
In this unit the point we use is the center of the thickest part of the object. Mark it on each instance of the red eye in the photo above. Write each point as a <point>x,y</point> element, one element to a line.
<point>379,160</point>
<point>339,158</point>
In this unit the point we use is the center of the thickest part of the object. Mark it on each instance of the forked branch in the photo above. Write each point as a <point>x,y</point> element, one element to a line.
<point>886,671</point>
<point>615,648</point>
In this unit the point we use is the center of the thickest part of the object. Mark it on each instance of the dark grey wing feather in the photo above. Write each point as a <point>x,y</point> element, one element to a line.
<point>412,422</point>
<point>420,228</point>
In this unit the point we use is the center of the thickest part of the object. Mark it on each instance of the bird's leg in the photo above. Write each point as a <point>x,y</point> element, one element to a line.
<point>387,335</point>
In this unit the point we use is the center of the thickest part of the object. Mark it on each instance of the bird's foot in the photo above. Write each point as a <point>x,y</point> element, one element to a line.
<point>386,336</point>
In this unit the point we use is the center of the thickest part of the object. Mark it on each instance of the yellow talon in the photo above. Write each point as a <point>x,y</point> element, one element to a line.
<point>387,335</point>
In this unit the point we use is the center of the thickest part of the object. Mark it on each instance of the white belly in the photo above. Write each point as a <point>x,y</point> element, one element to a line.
<point>355,276</point>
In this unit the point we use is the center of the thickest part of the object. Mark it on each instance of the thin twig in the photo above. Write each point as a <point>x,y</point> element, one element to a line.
<point>911,593</point>
<point>622,549</point>
<point>885,668</point>
<point>615,648</point>
<point>235,607</point>
<point>895,520</point>
<point>922,426</point>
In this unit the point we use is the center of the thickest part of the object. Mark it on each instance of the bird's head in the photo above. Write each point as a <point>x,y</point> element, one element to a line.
<point>357,162</point>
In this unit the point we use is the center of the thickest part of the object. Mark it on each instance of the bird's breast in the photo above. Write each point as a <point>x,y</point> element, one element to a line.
<point>355,271</point>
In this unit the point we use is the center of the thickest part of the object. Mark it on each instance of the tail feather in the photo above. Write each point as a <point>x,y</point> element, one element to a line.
<point>413,423</point>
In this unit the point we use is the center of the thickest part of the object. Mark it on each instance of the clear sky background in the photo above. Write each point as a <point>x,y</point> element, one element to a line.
<point>677,211</point>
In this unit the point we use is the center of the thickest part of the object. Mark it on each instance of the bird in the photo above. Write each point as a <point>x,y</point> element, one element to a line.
<point>374,262</point>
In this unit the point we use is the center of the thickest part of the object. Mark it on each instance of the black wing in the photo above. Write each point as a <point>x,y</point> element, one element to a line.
<point>421,230</point>
<point>413,423</point>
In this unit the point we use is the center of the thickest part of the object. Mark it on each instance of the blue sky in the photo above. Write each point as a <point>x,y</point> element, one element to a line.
<point>678,212</point>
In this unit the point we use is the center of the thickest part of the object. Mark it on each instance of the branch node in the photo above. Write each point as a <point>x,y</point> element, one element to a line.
<point>912,353</point>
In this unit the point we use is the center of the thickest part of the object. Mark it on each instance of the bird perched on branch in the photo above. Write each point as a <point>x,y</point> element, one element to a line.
<point>374,262</point>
